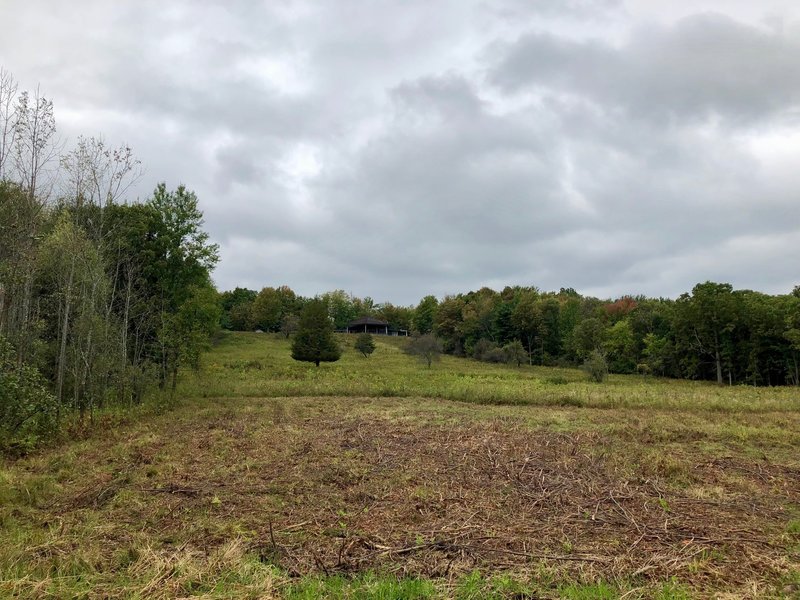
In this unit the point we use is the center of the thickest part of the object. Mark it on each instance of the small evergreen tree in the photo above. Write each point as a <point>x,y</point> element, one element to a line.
<point>365,344</point>
<point>314,340</point>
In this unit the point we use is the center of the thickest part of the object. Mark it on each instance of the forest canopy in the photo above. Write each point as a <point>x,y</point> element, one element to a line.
<point>101,298</point>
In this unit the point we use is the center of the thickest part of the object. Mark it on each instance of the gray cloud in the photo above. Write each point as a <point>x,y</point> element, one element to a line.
<point>399,149</point>
<point>703,66</point>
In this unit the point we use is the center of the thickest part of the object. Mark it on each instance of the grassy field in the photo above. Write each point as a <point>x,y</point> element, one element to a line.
<point>380,478</point>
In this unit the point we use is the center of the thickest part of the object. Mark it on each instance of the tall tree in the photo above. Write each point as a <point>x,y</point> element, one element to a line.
<point>706,321</point>
<point>36,148</point>
<point>8,120</point>
<point>527,320</point>
<point>425,314</point>
<point>185,259</point>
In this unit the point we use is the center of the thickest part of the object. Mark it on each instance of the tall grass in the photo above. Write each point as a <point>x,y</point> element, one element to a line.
<point>260,365</point>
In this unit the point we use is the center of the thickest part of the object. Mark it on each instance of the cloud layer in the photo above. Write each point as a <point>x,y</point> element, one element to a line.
<point>396,149</point>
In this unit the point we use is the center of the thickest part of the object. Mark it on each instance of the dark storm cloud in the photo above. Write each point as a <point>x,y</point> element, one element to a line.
<point>399,149</point>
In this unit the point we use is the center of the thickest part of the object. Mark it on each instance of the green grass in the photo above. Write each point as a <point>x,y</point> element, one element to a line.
<point>260,365</point>
<point>250,365</point>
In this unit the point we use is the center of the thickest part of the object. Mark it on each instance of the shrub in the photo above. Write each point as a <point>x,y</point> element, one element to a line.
<point>365,344</point>
<point>27,409</point>
<point>426,347</point>
<point>515,353</point>
<point>496,355</point>
<point>596,366</point>
<point>482,348</point>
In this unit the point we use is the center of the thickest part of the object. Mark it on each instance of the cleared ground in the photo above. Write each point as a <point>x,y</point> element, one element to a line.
<point>412,497</point>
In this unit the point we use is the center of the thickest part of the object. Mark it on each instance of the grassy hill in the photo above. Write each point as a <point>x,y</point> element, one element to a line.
<point>260,365</point>
<point>380,478</point>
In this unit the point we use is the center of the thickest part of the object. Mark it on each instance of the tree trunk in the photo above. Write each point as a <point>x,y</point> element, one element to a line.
<point>717,358</point>
<point>62,353</point>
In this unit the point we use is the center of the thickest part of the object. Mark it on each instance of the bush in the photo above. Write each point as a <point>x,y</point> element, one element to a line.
<point>596,366</point>
<point>426,347</point>
<point>27,409</point>
<point>365,344</point>
<point>487,351</point>
<point>515,353</point>
<point>482,349</point>
<point>496,355</point>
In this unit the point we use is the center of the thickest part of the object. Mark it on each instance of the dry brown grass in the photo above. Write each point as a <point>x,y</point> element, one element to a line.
<point>409,486</point>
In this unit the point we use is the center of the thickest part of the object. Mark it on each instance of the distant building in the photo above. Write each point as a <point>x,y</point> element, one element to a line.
<point>372,325</point>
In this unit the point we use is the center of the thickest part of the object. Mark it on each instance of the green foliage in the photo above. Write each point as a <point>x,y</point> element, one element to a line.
<point>515,353</point>
<point>485,350</point>
<point>398,317</point>
<point>620,347</point>
<point>341,307</point>
<point>365,344</point>
<point>706,323</point>
<point>448,325</point>
<point>425,315</point>
<point>596,366</point>
<point>587,337</point>
<point>271,306</point>
<point>185,255</point>
<point>593,591</point>
<point>657,353</point>
<point>289,325</point>
<point>237,309</point>
<point>184,258</point>
<point>191,327</point>
<point>27,409</point>
<point>527,319</point>
<point>366,586</point>
<point>239,317</point>
<point>314,341</point>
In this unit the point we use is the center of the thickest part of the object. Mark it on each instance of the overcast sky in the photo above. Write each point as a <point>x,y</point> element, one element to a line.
<point>399,148</point>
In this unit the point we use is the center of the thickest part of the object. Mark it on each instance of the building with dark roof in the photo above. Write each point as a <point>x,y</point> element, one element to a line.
<point>373,325</point>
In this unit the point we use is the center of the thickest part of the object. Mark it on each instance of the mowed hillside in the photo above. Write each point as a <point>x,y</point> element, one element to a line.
<point>380,478</point>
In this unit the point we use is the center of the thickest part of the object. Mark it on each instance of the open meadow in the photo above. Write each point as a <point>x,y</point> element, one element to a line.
<point>380,478</point>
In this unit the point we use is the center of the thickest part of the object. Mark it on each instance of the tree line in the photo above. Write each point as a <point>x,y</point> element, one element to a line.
<point>101,299</point>
<point>711,333</point>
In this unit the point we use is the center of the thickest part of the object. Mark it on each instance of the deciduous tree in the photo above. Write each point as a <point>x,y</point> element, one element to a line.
<point>426,347</point>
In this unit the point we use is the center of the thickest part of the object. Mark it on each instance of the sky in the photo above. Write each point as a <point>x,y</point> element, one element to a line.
<point>395,149</point>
